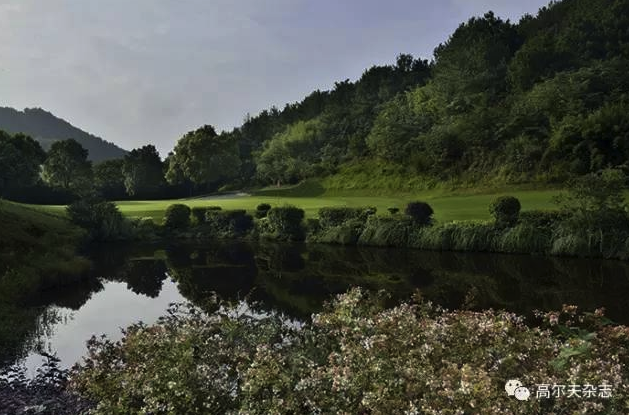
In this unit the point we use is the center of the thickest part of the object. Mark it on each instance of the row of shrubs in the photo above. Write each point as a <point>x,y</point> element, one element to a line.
<point>536,232</point>
<point>600,234</point>
<point>281,223</point>
<point>510,232</point>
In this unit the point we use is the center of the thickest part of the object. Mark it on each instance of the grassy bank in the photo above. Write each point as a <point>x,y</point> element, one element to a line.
<point>37,248</point>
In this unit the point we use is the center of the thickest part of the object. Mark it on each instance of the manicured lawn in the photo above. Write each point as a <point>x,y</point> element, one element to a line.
<point>447,207</point>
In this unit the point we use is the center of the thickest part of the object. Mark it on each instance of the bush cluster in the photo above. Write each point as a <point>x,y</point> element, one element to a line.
<point>285,223</point>
<point>102,220</point>
<point>199,212</point>
<point>177,217</point>
<point>228,223</point>
<point>336,216</point>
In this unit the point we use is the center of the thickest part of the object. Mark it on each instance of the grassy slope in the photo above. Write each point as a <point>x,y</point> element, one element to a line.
<point>311,197</point>
<point>374,177</point>
<point>37,246</point>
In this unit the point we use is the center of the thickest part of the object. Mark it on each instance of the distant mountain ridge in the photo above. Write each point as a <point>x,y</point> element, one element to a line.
<point>47,128</point>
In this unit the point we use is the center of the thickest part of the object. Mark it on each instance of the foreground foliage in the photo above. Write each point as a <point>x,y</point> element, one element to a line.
<point>355,357</point>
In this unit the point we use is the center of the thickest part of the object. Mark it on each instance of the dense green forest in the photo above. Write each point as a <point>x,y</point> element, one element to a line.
<point>542,100</point>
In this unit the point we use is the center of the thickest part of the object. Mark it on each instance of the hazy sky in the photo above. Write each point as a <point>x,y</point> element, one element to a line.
<point>147,71</point>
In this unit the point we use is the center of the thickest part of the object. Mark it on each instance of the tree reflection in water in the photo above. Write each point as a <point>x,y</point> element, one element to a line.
<point>295,280</point>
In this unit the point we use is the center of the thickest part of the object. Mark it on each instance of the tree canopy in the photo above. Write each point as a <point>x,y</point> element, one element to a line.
<point>20,160</point>
<point>142,170</point>
<point>202,156</point>
<point>66,166</point>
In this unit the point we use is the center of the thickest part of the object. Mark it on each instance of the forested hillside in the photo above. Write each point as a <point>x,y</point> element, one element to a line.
<point>540,100</point>
<point>46,129</point>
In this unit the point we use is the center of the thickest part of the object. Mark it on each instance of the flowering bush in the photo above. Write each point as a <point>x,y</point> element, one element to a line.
<point>356,358</point>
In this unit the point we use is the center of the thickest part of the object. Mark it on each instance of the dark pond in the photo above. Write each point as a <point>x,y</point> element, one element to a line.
<point>136,283</point>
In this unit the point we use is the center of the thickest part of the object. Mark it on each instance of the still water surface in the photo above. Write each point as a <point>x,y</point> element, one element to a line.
<point>137,283</point>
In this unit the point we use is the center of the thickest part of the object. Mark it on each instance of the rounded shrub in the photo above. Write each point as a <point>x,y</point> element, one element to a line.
<point>286,223</point>
<point>177,216</point>
<point>394,210</point>
<point>262,210</point>
<point>420,212</point>
<point>506,210</point>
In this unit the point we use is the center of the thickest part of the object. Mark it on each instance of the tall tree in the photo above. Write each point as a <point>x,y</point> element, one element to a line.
<point>109,180</point>
<point>204,157</point>
<point>143,171</point>
<point>20,160</point>
<point>67,166</point>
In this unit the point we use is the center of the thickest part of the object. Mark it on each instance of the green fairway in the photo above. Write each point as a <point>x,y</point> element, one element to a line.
<point>447,207</point>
